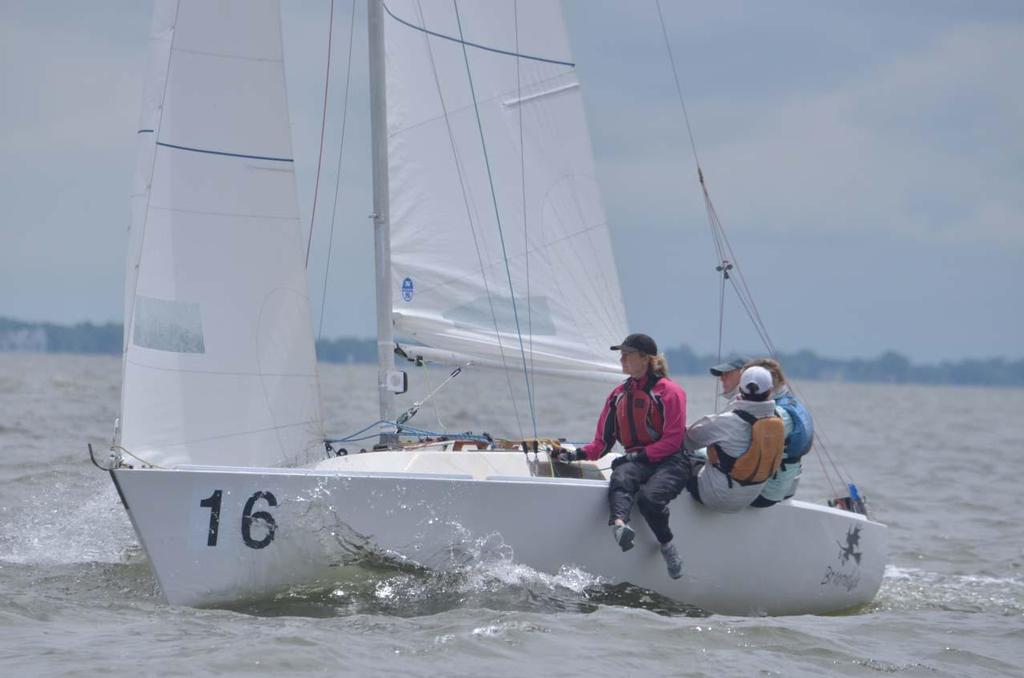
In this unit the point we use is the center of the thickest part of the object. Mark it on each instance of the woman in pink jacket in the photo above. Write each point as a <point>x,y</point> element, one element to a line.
<point>646,414</point>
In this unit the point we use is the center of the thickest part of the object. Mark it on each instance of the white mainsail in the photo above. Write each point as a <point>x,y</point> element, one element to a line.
<point>483,97</point>
<point>219,363</point>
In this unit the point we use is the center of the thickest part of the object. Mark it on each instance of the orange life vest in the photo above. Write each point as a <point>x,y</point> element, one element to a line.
<point>762,458</point>
<point>639,415</point>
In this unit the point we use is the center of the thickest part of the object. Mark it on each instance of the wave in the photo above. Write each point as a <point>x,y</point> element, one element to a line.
<point>908,588</point>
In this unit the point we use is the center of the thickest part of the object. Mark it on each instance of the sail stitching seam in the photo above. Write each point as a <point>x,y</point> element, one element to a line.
<point>243,433</point>
<point>221,373</point>
<point>223,55</point>
<point>222,214</point>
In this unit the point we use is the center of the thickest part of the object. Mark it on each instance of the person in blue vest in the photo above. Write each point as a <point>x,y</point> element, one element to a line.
<point>646,414</point>
<point>799,428</point>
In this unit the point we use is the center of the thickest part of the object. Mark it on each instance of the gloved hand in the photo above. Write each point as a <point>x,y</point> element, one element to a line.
<point>635,457</point>
<point>566,456</point>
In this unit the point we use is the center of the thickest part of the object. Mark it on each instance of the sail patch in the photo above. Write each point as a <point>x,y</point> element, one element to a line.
<point>167,325</point>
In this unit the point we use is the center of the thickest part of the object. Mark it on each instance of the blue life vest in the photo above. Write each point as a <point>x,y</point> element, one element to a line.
<point>798,443</point>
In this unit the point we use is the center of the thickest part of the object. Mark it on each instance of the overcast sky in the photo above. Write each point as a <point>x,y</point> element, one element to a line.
<point>866,158</point>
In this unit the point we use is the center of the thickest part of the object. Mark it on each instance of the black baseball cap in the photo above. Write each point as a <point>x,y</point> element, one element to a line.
<point>728,366</point>
<point>638,342</point>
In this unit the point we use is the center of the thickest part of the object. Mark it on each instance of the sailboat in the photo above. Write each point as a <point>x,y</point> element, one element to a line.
<point>491,250</point>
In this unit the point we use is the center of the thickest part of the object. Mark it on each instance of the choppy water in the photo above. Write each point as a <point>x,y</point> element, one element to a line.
<point>941,466</point>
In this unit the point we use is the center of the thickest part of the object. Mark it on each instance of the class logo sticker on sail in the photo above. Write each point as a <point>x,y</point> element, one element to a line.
<point>407,289</point>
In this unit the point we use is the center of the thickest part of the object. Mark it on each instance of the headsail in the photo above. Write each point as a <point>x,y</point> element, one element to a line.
<point>219,360</point>
<point>484,95</point>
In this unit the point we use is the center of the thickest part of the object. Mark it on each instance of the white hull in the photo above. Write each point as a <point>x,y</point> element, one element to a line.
<point>794,558</point>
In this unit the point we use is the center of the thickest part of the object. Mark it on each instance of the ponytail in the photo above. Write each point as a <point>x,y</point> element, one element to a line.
<point>658,366</point>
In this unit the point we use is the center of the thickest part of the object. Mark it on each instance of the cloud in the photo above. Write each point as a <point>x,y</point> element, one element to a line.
<point>70,86</point>
<point>919,141</point>
<point>924,146</point>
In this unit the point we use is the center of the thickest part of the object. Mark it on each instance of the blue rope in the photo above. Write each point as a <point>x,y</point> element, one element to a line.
<point>434,434</point>
<point>230,155</point>
<point>409,430</point>
<point>352,436</point>
<point>497,217</point>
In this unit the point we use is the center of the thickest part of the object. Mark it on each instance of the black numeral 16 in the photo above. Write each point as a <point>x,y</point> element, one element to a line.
<point>213,503</point>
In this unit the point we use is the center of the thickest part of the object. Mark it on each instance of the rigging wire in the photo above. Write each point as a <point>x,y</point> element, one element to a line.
<point>531,385</point>
<point>723,249</point>
<point>679,89</point>
<point>430,389</point>
<point>727,259</point>
<point>469,215</point>
<point>498,216</point>
<point>728,263</point>
<point>337,185</point>
<point>531,382</point>
<point>323,127</point>
<point>411,412</point>
<point>721,326</point>
<point>821,439</point>
<point>497,213</point>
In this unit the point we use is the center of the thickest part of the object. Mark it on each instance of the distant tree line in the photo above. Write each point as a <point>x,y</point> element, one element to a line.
<point>49,338</point>
<point>889,367</point>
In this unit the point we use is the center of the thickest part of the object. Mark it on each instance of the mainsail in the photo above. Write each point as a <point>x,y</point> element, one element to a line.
<point>500,250</point>
<point>219,364</point>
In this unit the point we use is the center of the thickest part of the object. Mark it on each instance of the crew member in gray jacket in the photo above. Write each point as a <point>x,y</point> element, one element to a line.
<point>731,432</point>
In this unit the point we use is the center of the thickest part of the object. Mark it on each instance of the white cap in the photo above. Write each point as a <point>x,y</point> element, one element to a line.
<point>755,380</point>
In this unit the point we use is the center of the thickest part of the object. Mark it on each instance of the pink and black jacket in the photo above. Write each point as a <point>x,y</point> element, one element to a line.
<point>647,414</point>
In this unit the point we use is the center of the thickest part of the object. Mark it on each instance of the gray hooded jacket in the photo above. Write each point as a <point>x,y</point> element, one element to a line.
<point>732,435</point>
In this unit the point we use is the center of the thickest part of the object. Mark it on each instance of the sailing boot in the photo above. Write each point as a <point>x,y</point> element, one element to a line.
<point>624,536</point>
<point>672,560</point>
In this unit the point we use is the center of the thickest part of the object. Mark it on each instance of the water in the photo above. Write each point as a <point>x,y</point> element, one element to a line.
<point>940,466</point>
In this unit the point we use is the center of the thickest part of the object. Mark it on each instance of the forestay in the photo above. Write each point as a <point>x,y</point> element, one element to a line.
<point>219,360</point>
<point>472,270</point>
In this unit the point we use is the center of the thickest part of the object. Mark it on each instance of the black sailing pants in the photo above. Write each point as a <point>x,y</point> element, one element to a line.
<point>653,486</point>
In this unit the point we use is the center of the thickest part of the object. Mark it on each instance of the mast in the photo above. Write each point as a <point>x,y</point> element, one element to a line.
<point>381,216</point>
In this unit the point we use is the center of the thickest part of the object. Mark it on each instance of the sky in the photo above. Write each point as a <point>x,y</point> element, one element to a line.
<point>866,160</point>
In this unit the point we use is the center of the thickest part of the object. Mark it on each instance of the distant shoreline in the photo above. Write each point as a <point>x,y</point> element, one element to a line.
<point>889,367</point>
